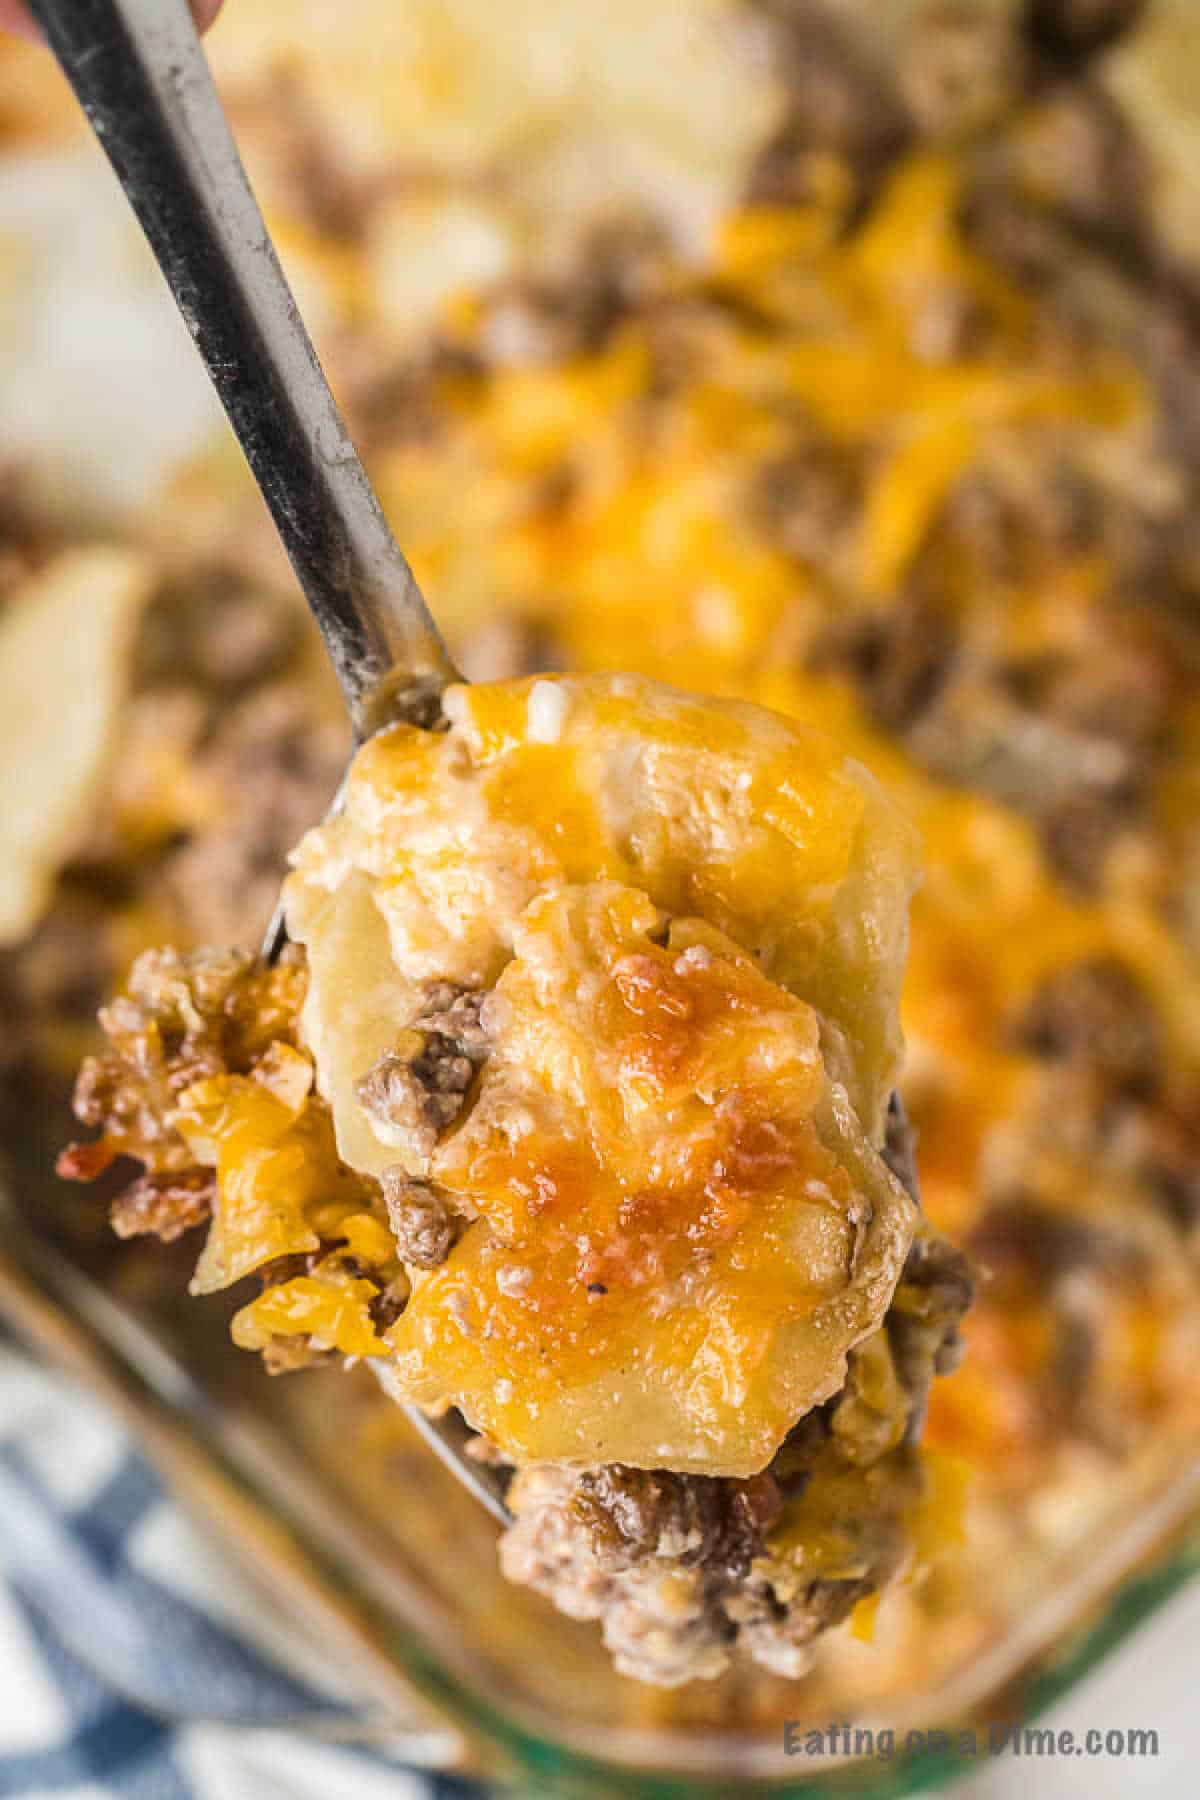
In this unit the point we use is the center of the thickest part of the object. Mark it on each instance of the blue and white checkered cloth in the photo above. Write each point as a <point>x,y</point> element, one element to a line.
<point>131,1663</point>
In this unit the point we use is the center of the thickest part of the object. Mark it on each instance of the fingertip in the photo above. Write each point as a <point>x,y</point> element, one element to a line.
<point>16,19</point>
<point>204,12</point>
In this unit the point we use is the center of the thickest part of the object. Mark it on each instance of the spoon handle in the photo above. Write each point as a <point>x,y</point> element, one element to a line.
<point>142,78</point>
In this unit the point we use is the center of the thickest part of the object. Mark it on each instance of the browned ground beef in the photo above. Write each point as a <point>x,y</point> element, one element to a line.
<point>1072,742</point>
<point>1070,29</point>
<point>25,540</point>
<point>182,1018</point>
<point>836,102</point>
<point>165,1205</point>
<point>1106,1115</point>
<point>1096,1012</point>
<point>185,1017</point>
<point>965,67</point>
<point>704,1520</point>
<point>417,1090</point>
<point>422,1221</point>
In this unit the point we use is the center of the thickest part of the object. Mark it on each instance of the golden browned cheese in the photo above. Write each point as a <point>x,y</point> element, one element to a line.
<point>689,919</point>
<point>283,1194</point>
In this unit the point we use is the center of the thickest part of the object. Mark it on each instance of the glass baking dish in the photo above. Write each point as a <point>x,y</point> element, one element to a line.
<point>350,1531</point>
<point>356,1535</point>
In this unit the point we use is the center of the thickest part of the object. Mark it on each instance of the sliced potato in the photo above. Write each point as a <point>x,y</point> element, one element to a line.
<point>65,655</point>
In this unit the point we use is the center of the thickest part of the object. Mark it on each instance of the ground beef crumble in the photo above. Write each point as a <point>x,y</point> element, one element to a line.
<point>422,1221</point>
<point>183,1017</point>
<point>834,102</point>
<point>701,1519</point>
<point>417,1089</point>
<point>1095,1012</point>
<point>965,68</point>
<point>165,1205</point>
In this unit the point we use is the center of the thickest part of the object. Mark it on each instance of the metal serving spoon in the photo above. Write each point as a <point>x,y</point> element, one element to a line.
<point>142,78</point>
